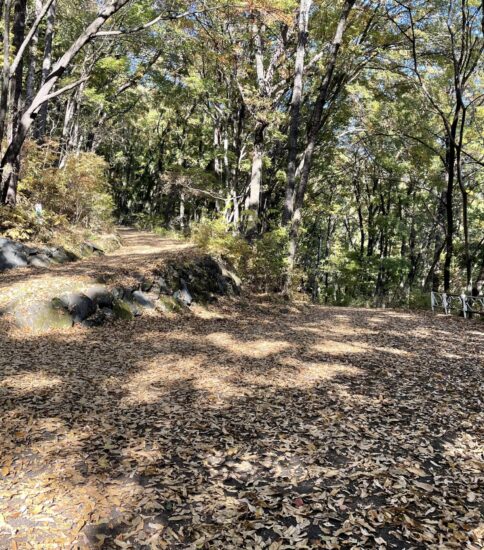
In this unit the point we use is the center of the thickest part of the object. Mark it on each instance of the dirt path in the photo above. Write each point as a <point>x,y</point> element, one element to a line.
<point>140,253</point>
<point>246,425</point>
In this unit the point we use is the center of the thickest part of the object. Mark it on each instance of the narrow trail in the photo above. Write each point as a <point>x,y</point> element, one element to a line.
<point>244,425</point>
<point>140,253</point>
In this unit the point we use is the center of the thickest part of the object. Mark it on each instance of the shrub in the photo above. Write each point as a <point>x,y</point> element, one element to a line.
<point>261,263</point>
<point>79,191</point>
<point>75,195</point>
<point>268,261</point>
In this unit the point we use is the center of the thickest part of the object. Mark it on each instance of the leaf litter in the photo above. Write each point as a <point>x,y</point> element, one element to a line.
<point>244,426</point>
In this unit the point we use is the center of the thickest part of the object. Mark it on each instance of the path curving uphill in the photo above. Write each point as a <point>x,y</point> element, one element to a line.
<point>146,272</point>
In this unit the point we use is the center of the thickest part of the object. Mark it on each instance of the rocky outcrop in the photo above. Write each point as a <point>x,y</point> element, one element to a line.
<point>175,287</point>
<point>14,254</point>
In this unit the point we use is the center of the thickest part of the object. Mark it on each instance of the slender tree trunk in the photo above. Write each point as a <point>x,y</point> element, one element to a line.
<point>46,68</point>
<point>45,93</point>
<point>33,53</point>
<point>316,122</point>
<point>449,208</point>
<point>15,96</point>
<point>253,201</point>
<point>296,100</point>
<point>5,88</point>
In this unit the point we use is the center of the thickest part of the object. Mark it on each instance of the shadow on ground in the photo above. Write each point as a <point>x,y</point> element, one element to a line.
<point>250,425</point>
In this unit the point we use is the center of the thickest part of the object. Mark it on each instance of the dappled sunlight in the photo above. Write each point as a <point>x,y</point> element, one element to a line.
<point>310,372</point>
<point>207,314</point>
<point>140,254</point>
<point>255,348</point>
<point>181,430</point>
<point>336,347</point>
<point>29,382</point>
<point>157,379</point>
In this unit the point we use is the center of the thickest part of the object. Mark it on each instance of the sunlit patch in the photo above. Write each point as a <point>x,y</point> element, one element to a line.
<point>448,355</point>
<point>393,351</point>
<point>30,382</point>
<point>310,372</point>
<point>466,451</point>
<point>333,346</point>
<point>256,349</point>
<point>206,314</point>
<point>160,377</point>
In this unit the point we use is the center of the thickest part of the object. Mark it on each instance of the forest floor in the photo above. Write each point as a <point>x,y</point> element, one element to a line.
<point>248,424</point>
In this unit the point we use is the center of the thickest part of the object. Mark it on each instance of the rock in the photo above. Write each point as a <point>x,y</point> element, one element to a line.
<point>12,255</point>
<point>146,285</point>
<point>78,305</point>
<point>39,260</point>
<point>143,299</point>
<point>61,255</point>
<point>91,248</point>
<point>168,304</point>
<point>122,310</point>
<point>40,316</point>
<point>161,287</point>
<point>183,295</point>
<point>99,318</point>
<point>100,295</point>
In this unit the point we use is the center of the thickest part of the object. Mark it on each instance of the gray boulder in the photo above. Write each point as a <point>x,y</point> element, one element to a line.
<point>40,316</point>
<point>99,318</point>
<point>100,295</point>
<point>143,299</point>
<point>39,260</point>
<point>61,255</point>
<point>183,295</point>
<point>12,255</point>
<point>78,305</point>
<point>91,248</point>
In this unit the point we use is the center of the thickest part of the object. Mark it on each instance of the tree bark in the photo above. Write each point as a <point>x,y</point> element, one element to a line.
<point>253,201</point>
<point>315,125</point>
<point>46,68</point>
<point>449,206</point>
<point>45,94</point>
<point>30,83</point>
<point>4,92</point>
<point>15,96</point>
<point>295,115</point>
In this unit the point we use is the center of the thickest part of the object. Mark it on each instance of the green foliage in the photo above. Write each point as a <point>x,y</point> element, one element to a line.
<point>261,263</point>
<point>78,193</point>
<point>218,238</point>
<point>268,261</point>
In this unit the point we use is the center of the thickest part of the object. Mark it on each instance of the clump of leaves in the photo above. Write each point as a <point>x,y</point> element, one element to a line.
<point>261,263</point>
<point>78,191</point>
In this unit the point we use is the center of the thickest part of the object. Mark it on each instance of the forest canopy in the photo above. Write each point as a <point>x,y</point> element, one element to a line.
<point>335,147</point>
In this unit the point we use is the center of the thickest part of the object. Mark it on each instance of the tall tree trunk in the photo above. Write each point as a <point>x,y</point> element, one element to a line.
<point>296,100</point>
<point>5,88</point>
<point>253,201</point>
<point>15,97</point>
<point>315,125</point>
<point>46,68</point>
<point>449,206</point>
<point>45,93</point>
<point>32,67</point>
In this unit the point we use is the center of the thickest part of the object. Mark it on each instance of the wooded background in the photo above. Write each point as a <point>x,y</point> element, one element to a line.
<point>335,147</point>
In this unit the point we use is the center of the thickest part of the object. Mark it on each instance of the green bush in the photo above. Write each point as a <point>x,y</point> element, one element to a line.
<point>261,263</point>
<point>268,260</point>
<point>79,191</point>
<point>74,196</point>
